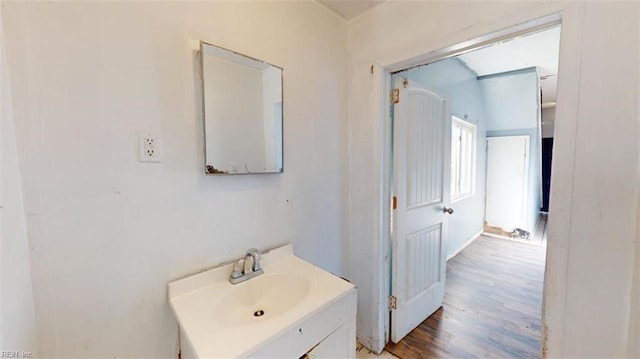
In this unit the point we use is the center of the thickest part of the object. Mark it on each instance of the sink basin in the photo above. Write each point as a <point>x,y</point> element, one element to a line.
<point>261,298</point>
<point>281,313</point>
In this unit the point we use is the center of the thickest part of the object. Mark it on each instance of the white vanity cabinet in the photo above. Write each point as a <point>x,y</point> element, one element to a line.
<point>330,333</point>
<point>292,310</point>
<point>340,344</point>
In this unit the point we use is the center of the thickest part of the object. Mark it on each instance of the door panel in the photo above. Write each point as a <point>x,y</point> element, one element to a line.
<point>423,260</point>
<point>422,146</point>
<point>425,146</point>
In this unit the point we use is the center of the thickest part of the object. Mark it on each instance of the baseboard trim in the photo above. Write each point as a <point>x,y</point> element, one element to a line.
<point>465,244</point>
<point>493,235</point>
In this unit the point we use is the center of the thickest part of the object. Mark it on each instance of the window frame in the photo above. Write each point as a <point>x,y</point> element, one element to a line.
<point>472,128</point>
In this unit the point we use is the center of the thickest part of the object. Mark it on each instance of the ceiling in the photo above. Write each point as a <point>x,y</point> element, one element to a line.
<point>539,49</point>
<point>348,9</point>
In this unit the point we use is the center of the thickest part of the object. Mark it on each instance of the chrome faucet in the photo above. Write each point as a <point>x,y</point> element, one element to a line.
<point>254,255</point>
<point>247,267</point>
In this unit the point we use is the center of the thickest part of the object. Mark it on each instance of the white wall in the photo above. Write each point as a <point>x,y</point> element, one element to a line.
<point>453,80</point>
<point>634,323</point>
<point>512,104</point>
<point>108,233</point>
<point>604,208</point>
<point>17,314</point>
<point>594,190</point>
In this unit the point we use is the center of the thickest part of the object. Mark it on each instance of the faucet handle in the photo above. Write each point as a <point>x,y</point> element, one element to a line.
<point>237,269</point>
<point>255,253</point>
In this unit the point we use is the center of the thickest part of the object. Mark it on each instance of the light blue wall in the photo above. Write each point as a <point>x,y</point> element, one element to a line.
<point>453,80</point>
<point>511,100</point>
<point>512,107</point>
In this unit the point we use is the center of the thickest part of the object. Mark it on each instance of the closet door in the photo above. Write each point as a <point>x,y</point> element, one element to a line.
<point>507,181</point>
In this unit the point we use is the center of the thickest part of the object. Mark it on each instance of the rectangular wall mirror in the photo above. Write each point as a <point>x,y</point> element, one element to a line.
<point>242,113</point>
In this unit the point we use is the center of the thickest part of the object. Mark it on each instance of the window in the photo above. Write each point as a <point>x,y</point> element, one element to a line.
<point>463,158</point>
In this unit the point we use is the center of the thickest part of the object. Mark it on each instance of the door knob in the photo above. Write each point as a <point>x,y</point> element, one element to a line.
<point>447,210</point>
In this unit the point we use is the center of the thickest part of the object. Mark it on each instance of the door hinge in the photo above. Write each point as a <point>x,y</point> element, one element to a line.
<point>395,202</point>
<point>393,302</point>
<point>395,95</point>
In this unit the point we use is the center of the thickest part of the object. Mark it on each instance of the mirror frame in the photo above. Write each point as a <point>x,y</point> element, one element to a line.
<point>209,169</point>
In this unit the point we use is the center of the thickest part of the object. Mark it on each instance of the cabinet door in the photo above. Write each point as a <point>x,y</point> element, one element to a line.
<point>340,344</point>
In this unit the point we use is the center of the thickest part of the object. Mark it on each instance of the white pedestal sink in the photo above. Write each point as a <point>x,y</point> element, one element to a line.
<point>292,309</point>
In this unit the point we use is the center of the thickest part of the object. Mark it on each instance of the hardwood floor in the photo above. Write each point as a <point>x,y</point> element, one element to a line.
<point>492,305</point>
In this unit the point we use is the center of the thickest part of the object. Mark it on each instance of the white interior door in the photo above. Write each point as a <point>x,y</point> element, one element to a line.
<point>422,151</point>
<point>507,181</point>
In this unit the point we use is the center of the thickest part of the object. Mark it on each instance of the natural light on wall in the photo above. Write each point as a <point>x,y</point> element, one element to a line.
<point>463,158</point>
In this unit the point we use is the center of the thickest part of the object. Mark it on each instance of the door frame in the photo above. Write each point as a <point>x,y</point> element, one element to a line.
<point>570,17</point>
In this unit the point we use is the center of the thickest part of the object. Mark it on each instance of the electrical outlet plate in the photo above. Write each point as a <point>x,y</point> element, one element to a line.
<point>149,147</point>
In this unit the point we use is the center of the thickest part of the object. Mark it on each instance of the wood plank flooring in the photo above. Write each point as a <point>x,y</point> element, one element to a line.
<point>492,305</point>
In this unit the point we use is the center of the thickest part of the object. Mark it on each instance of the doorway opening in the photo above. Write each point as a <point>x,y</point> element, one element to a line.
<point>467,149</point>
